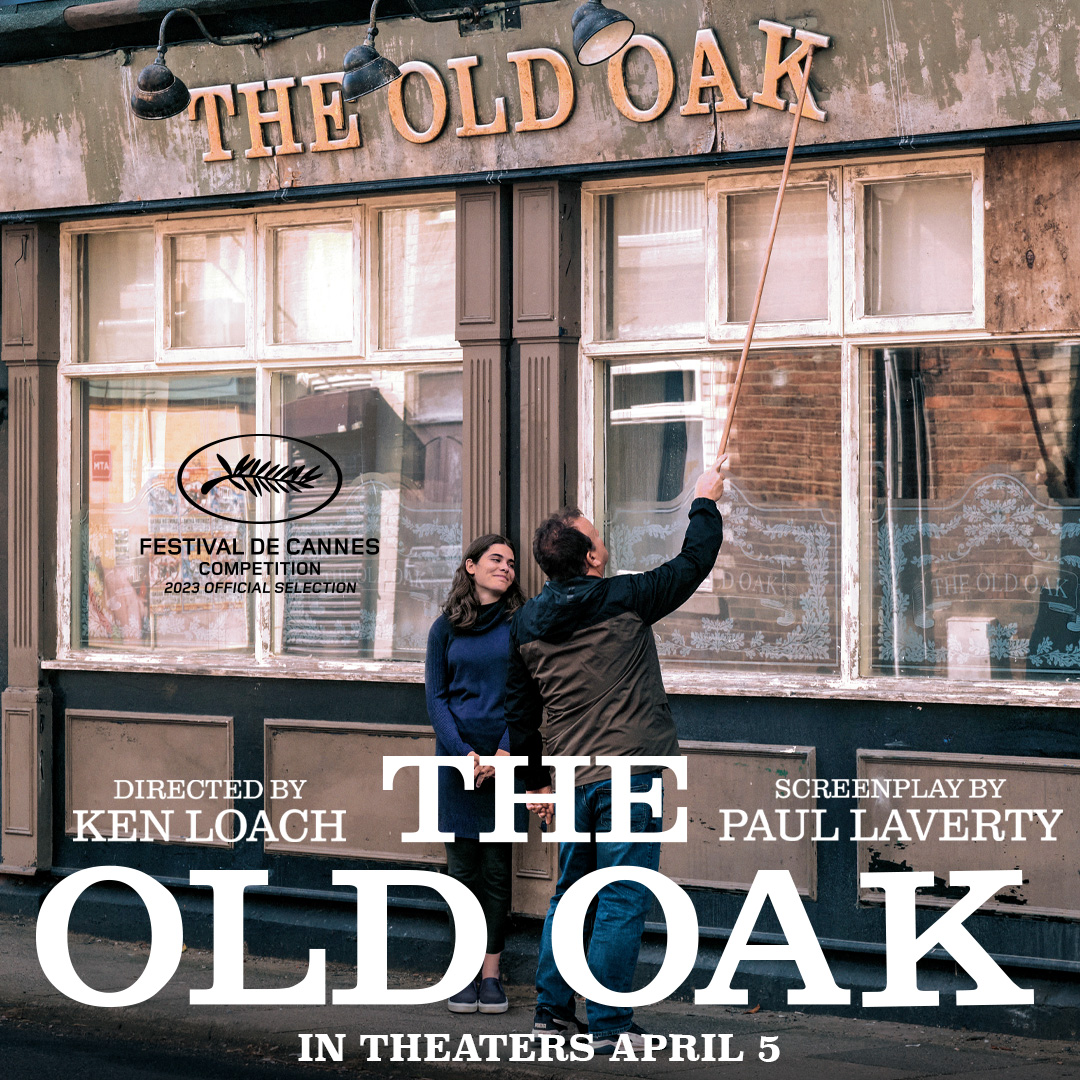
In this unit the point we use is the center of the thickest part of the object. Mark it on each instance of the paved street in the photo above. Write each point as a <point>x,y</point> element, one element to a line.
<point>44,1034</point>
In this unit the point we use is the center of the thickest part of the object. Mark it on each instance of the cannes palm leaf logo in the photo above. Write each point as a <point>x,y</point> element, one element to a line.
<point>259,477</point>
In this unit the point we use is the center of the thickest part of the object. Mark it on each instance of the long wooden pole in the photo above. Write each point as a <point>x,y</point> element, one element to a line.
<point>734,400</point>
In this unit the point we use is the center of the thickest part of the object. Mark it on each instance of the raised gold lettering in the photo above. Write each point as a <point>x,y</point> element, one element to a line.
<point>396,102</point>
<point>462,68</point>
<point>323,112</point>
<point>707,48</point>
<point>282,116</point>
<point>523,59</point>
<point>208,95</point>
<point>790,66</point>
<point>665,79</point>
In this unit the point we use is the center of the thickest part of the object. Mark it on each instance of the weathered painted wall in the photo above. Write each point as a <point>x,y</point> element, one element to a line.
<point>893,71</point>
<point>1032,226</point>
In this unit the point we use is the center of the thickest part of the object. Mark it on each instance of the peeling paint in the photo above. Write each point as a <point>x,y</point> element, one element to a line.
<point>901,68</point>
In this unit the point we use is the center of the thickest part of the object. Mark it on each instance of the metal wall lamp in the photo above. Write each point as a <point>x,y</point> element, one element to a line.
<point>365,69</point>
<point>158,93</point>
<point>599,32</point>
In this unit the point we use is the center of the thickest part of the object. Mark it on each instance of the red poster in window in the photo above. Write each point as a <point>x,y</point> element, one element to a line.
<point>101,465</point>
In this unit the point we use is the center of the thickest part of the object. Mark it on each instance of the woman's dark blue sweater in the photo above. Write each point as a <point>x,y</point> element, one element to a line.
<point>465,678</point>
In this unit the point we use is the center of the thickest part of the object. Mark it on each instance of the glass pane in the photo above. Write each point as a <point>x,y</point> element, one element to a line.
<point>416,278</point>
<point>918,247</point>
<point>396,434</point>
<point>115,296</point>
<point>140,546</point>
<point>208,290</point>
<point>797,284</point>
<point>313,283</point>
<point>771,602</point>
<point>651,263</point>
<point>973,523</point>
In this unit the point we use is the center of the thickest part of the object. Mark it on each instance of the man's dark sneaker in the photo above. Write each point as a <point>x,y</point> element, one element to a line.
<point>607,1044</point>
<point>492,997</point>
<point>547,1023</point>
<point>464,1001</point>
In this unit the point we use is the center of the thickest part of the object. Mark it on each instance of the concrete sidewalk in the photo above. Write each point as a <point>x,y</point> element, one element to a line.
<point>810,1047</point>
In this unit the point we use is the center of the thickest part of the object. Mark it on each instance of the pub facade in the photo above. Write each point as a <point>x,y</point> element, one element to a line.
<point>507,282</point>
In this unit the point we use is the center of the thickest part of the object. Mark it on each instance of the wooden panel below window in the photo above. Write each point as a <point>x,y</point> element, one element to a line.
<point>966,841</point>
<point>740,776</point>
<point>342,764</point>
<point>104,749</point>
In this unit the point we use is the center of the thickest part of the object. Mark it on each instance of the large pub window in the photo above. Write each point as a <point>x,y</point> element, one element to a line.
<point>674,268</point>
<point>903,498</point>
<point>333,326</point>
<point>973,520</point>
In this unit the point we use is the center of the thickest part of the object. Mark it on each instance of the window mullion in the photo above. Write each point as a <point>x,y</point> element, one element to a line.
<point>263,450</point>
<point>850,502</point>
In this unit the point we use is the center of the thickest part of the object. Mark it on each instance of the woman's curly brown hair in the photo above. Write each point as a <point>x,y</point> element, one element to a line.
<point>463,603</point>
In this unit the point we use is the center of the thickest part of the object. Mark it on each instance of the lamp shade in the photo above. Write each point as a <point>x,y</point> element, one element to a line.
<point>599,33</point>
<point>366,71</point>
<point>158,93</point>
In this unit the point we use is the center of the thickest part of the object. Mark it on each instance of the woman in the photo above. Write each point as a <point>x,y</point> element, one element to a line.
<point>465,675</point>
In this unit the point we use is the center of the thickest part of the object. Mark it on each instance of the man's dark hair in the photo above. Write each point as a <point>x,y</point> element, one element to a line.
<point>559,548</point>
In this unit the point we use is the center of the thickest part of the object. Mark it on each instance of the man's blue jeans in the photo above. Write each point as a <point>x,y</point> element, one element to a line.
<point>621,907</point>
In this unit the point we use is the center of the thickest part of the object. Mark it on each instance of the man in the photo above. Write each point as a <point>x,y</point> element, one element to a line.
<point>583,657</point>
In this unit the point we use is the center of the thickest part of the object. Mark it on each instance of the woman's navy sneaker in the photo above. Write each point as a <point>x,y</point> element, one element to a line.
<point>464,1001</point>
<point>492,997</point>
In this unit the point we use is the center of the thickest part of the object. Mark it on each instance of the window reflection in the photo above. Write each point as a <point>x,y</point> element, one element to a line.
<point>771,600</point>
<point>209,290</point>
<point>975,511</point>
<point>396,434</point>
<point>115,296</point>
<point>919,253</point>
<point>136,432</point>
<point>651,259</point>
<point>313,283</point>
<point>416,278</point>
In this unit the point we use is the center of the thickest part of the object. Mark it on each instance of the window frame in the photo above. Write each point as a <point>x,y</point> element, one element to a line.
<point>266,227</point>
<point>851,335</point>
<point>590,269</point>
<point>259,358</point>
<point>720,188</point>
<point>164,232</point>
<point>373,283</point>
<point>857,178</point>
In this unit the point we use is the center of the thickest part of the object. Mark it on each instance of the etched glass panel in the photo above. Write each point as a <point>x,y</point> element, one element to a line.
<point>918,247</point>
<point>972,528</point>
<point>313,283</point>
<point>139,546</point>
<point>377,562</point>
<point>416,278</point>
<point>797,284</point>
<point>651,264</point>
<point>771,602</point>
<point>209,275</point>
<point>114,296</point>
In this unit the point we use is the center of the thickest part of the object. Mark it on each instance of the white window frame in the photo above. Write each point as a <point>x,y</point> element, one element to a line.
<point>258,358</point>
<point>856,180</point>
<point>596,357</point>
<point>164,232</point>
<point>374,283</point>
<point>720,188</point>
<point>267,225</point>
<point>665,410</point>
<point>590,269</point>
